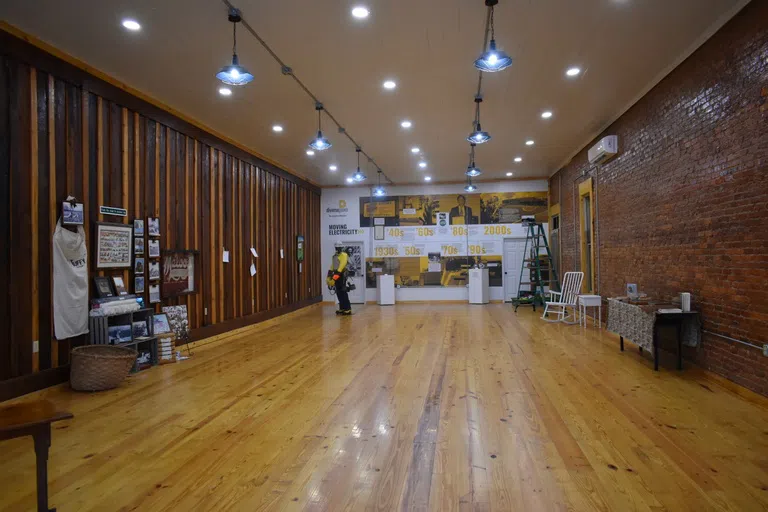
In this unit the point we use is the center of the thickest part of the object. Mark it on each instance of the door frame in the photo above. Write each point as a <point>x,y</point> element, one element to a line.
<point>504,263</point>
<point>363,269</point>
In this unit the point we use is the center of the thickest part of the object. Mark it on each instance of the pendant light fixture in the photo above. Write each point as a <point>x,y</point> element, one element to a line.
<point>379,190</point>
<point>492,59</point>
<point>319,143</point>
<point>358,176</point>
<point>469,187</point>
<point>478,136</point>
<point>234,74</point>
<point>472,170</point>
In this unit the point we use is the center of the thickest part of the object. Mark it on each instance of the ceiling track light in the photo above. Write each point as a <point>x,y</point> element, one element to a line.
<point>379,190</point>
<point>492,59</point>
<point>319,143</point>
<point>478,136</point>
<point>359,176</point>
<point>472,170</point>
<point>234,74</point>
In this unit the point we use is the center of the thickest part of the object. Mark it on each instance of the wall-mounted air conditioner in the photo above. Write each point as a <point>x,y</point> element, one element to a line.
<point>603,150</point>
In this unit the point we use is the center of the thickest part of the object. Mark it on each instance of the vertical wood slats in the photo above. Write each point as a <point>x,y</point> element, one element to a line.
<point>57,139</point>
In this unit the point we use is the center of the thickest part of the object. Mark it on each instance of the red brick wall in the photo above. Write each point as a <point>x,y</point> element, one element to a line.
<point>684,207</point>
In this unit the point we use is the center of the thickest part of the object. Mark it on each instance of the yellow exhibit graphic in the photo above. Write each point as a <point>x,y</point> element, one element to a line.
<point>433,269</point>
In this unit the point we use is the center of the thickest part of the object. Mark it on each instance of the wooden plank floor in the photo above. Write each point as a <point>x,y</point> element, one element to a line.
<point>411,407</point>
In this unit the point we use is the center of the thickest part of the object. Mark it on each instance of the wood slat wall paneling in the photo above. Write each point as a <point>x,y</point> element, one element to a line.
<point>61,135</point>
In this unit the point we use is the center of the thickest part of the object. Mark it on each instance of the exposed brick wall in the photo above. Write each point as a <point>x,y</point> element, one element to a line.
<point>684,207</point>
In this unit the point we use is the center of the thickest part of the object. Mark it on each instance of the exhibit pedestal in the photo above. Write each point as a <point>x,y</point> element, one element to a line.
<point>385,290</point>
<point>479,292</point>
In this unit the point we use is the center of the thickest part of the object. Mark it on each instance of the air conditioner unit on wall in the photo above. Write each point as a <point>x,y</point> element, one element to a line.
<point>603,150</point>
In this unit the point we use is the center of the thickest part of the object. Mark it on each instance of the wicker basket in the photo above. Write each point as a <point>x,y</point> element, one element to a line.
<point>99,367</point>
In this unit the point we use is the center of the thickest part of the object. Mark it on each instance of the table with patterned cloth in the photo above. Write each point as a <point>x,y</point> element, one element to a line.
<point>638,323</point>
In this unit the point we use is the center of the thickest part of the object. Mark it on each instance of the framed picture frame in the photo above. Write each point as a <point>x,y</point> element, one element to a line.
<point>138,265</point>
<point>138,227</point>
<point>153,226</point>
<point>138,247</point>
<point>140,329</point>
<point>138,284</point>
<point>179,273</point>
<point>119,284</point>
<point>103,287</point>
<point>154,248</point>
<point>154,293</point>
<point>113,245</point>
<point>154,270</point>
<point>299,248</point>
<point>179,321</point>
<point>160,324</point>
<point>72,214</point>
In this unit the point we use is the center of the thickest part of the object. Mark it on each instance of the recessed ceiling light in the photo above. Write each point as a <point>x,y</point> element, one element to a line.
<point>389,84</point>
<point>546,114</point>
<point>350,180</point>
<point>427,178</point>
<point>225,91</point>
<point>132,25</point>
<point>509,174</point>
<point>277,128</point>
<point>423,165</point>
<point>518,159</point>
<point>406,124</point>
<point>574,71</point>
<point>415,150</point>
<point>360,12</point>
<point>332,168</point>
<point>529,143</point>
<point>310,152</point>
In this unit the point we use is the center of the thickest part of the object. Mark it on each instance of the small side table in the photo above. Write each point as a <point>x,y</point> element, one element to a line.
<point>590,301</point>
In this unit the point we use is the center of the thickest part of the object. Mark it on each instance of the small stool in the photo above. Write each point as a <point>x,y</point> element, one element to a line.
<point>33,419</point>
<point>590,301</point>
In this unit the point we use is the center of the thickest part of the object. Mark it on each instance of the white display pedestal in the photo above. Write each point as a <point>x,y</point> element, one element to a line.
<point>385,290</point>
<point>478,286</point>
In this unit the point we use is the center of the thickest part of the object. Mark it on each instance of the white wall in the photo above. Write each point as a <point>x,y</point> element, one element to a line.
<point>333,215</point>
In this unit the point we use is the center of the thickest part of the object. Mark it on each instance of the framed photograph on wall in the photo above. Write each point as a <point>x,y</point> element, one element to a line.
<point>299,248</point>
<point>153,226</point>
<point>113,245</point>
<point>139,246</point>
<point>154,293</point>
<point>154,248</point>
<point>138,266</point>
<point>154,270</point>
<point>71,214</point>
<point>178,276</point>
<point>138,284</point>
<point>138,227</point>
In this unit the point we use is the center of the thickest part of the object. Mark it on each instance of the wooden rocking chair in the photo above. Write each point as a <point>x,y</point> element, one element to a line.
<point>565,298</point>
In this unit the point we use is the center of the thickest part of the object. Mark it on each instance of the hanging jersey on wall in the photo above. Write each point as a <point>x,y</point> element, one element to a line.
<point>70,283</point>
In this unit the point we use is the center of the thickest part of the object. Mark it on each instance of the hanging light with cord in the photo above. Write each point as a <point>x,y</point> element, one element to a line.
<point>478,136</point>
<point>492,59</point>
<point>319,143</point>
<point>379,190</point>
<point>472,170</point>
<point>234,74</point>
<point>358,176</point>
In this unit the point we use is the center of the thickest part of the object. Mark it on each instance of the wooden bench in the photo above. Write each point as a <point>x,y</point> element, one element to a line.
<point>33,419</point>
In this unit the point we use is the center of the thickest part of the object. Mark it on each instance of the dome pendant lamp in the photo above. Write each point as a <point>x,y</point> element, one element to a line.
<point>478,136</point>
<point>358,176</point>
<point>379,190</point>
<point>472,170</point>
<point>493,60</point>
<point>469,186</point>
<point>320,143</point>
<point>234,74</point>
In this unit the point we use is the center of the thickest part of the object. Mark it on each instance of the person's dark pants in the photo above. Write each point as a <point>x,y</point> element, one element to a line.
<point>342,295</point>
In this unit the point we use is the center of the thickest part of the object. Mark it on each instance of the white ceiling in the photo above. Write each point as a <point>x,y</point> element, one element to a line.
<point>427,46</point>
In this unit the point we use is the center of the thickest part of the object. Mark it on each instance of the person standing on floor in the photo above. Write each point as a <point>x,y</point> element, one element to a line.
<point>337,278</point>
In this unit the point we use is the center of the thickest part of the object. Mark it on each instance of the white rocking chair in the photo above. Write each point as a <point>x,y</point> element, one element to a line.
<point>564,299</point>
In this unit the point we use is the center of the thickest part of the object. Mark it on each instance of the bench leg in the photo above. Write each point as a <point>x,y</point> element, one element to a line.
<point>42,438</point>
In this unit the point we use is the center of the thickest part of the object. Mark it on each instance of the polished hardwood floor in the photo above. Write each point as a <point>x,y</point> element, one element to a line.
<point>412,407</point>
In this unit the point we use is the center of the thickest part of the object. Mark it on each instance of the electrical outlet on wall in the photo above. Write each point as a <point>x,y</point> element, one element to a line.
<point>206,312</point>
<point>765,350</point>
<point>36,347</point>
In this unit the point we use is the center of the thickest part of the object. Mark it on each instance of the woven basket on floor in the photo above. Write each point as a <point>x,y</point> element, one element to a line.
<point>99,367</point>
